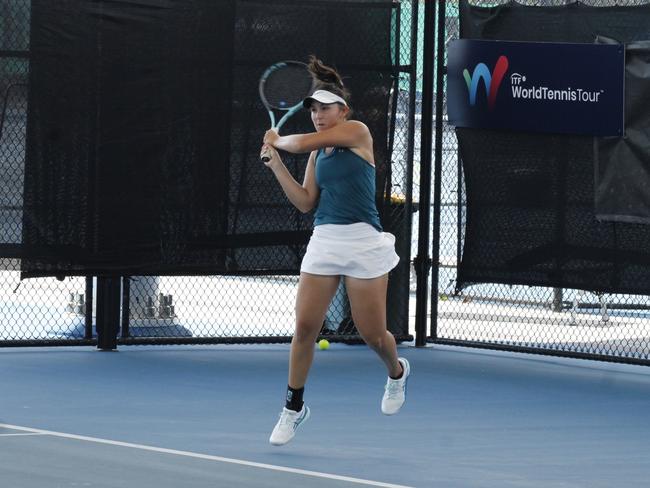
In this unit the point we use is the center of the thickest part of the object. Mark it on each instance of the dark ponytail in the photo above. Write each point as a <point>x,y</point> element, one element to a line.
<point>327,78</point>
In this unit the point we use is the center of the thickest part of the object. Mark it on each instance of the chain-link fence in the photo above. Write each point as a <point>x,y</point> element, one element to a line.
<point>195,309</point>
<point>37,310</point>
<point>525,318</point>
<point>260,308</point>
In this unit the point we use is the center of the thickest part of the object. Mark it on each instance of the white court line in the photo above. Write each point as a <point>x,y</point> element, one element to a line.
<point>22,434</point>
<point>208,457</point>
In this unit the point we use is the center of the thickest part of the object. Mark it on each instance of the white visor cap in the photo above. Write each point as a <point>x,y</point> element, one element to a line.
<point>323,96</point>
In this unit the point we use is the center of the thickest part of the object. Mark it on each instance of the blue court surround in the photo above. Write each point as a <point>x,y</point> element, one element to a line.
<point>472,418</point>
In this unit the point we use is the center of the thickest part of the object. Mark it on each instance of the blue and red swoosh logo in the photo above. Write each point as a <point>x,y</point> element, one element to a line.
<point>492,80</point>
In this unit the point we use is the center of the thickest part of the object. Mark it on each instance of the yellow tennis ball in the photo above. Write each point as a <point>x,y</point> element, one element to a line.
<point>323,344</point>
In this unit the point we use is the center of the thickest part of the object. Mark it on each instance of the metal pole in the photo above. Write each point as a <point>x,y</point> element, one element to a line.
<point>558,293</point>
<point>108,311</point>
<point>126,305</point>
<point>410,141</point>
<point>422,261</point>
<point>557,299</point>
<point>437,172</point>
<point>88,313</point>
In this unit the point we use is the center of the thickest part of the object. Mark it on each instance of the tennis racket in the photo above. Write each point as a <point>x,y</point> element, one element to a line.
<point>283,87</point>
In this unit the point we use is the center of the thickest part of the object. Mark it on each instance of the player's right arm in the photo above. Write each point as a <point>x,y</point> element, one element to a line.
<point>303,197</point>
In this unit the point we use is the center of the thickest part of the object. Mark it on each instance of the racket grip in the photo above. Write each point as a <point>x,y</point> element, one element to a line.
<point>266,156</point>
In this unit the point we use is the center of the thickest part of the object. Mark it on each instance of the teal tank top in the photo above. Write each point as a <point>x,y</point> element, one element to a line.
<point>347,189</point>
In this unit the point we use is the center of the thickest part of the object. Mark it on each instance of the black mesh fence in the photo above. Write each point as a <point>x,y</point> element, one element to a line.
<point>38,310</point>
<point>258,306</point>
<point>249,302</point>
<point>538,319</point>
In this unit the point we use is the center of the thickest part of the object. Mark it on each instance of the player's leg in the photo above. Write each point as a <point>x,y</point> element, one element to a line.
<point>315,292</point>
<point>368,303</point>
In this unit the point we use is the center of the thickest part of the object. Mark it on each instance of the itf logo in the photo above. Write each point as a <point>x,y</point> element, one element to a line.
<point>491,81</point>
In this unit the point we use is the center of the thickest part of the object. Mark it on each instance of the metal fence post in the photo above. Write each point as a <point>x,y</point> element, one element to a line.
<point>437,172</point>
<point>108,311</point>
<point>422,261</point>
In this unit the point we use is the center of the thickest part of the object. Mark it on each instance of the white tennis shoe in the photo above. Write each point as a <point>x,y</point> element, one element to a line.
<point>395,392</point>
<point>286,427</point>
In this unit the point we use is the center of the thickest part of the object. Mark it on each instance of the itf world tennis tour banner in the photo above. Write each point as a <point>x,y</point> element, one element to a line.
<point>536,86</point>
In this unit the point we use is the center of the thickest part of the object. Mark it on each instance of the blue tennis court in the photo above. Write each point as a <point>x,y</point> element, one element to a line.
<point>201,416</point>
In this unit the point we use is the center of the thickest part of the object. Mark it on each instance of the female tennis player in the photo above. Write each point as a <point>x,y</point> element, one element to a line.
<point>347,241</point>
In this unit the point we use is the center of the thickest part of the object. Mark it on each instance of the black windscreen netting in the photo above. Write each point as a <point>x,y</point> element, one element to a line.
<point>356,38</point>
<point>14,49</point>
<point>530,197</point>
<point>623,163</point>
<point>145,125</point>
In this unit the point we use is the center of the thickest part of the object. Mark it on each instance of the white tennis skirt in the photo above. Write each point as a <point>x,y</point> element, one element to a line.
<point>357,250</point>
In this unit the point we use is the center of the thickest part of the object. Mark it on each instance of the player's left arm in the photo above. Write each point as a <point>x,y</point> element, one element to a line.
<point>351,133</point>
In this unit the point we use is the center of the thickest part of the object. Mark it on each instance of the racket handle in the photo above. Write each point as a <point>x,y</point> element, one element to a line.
<point>266,156</point>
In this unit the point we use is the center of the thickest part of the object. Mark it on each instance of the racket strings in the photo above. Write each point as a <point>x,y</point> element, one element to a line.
<point>287,86</point>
